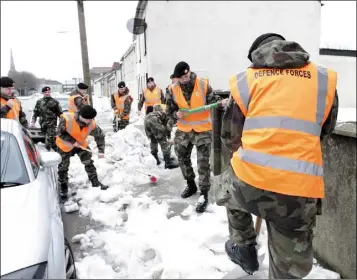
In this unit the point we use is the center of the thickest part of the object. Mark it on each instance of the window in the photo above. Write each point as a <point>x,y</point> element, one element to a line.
<point>13,168</point>
<point>32,153</point>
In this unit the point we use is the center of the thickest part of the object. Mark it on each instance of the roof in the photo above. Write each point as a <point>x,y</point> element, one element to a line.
<point>49,82</point>
<point>99,70</point>
<point>131,47</point>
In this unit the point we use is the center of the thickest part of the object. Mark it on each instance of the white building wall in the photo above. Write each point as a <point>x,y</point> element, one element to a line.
<point>346,82</point>
<point>97,89</point>
<point>214,36</point>
<point>129,72</point>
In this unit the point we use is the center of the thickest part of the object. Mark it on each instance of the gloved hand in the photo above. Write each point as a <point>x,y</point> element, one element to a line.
<point>224,102</point>
<point>10,103</point>
<point>76,145</point>
<point>101,155</point>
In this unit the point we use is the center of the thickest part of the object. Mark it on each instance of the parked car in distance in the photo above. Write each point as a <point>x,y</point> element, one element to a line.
<point>33,245</point>
<point>35,132</point>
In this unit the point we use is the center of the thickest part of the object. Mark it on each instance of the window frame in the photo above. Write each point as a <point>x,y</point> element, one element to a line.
<point>30,147</point>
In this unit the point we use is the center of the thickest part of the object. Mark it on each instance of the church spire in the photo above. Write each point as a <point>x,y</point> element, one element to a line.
<point>12,63</point>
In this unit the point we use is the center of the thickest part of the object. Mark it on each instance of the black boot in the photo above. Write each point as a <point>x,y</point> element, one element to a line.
<point>169,163</point>
<point>157,158</point>
<point>244,256</point>
<point>96,183</point>
<point>64,190</point>
<point>190,190</point>
<point>202,203</point>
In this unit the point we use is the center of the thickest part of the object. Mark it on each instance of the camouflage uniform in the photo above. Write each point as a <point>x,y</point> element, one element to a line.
<point>122,124</point>
<point>156,129</point>
<point>290,220</point>
<point>5,109</point>
<point>48,109</point>
<point>142,100</point>
<point>85,156</point>
<point>184,141</point>
<point>80,101</point>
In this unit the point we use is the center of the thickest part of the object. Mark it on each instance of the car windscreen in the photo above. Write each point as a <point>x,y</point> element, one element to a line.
<point>63,102</point>
<point>13,168</point>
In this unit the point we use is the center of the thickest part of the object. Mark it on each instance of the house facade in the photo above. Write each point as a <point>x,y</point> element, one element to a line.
<point>55,86</point>
<point>129,69</point>
<point>215,36</point>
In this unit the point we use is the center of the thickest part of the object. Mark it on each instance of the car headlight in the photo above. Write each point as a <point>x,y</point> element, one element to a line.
<point>37,271</point>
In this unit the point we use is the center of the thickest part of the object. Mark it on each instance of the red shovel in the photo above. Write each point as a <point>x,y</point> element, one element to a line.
<point>153,178</point>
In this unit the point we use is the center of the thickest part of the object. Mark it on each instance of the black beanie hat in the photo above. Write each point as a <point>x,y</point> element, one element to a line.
<point>257,42</point>
<point>82,86</point>
<point>45,89</point>
<point>172,76</point>
<point>88,112</point>
<point>7,82</point>
<point>151,79</point>
<point>182,68</point>
<point>121,85</point>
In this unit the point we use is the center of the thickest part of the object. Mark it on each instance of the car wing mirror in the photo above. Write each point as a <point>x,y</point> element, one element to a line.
<point>50,159</point>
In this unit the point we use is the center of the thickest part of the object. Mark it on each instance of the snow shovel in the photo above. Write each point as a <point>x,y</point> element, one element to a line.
<point>153,178</point>
<point>200,109</point>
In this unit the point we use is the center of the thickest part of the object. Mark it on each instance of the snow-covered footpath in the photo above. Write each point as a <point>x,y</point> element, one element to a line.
<point>139,238</point>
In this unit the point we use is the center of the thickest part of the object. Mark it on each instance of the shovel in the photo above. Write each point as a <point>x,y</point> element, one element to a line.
<point>200,109</point>
<point>153,178</point>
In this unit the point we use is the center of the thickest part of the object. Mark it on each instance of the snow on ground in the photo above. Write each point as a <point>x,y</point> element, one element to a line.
<point>139,236</point>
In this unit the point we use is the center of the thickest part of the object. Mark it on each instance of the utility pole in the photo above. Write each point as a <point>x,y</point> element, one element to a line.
<point>84,49</point>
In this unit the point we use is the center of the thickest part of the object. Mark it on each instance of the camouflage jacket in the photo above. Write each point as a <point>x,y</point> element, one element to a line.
<point>97,133</point>
<point>142,100</point>
<point>48,109</point>
<point>270,55</point>
<point>79,101</point>
<point>127,103</point>
<point>22,116</point>
<point>158,119</point>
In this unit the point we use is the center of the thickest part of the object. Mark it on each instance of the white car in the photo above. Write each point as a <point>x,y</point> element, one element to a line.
<point>33,245</point>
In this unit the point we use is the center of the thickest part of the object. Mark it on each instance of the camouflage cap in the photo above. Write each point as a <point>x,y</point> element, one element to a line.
<point>265,38</point>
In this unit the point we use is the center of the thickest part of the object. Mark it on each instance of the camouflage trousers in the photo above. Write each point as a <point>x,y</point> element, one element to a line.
<point>156,132</point>
<point>86,159</point>
<point>184,143</point>
<point>122,124</point>
<point>49,130</point>
<point>290,221</point>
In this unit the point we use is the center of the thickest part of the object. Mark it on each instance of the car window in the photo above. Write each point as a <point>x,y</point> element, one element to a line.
<point>32,153</point>
<point>13,168</point>
<point>64,103</point>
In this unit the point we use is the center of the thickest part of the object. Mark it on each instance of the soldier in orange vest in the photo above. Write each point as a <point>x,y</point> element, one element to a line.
<point>73,130</point>
<point>121,104</point>
<point>78,98</point>
<point>10,105</point>
<point>151,95</point>
<point>280,108</point>
<point>192,130</point>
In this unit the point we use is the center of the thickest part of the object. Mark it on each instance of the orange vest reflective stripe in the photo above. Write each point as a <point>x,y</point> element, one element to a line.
<point>285,110</point>
<point>14,112</point>
<point>152,97</point>
<point>119,103</point>
<point>198,122</point>
<point>73,129</point>
<point>72,107</point>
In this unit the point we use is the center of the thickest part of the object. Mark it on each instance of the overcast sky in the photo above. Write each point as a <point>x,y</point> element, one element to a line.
<point>31,29</point>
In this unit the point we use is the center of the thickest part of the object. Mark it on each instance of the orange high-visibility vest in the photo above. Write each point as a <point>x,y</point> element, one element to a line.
<point>198,122</point>
<point>152,97</point>
<point>14,112</point>
<point>285,110</point>
<point>72,107</point>
<point>119,103</point>
<point>73,129</point>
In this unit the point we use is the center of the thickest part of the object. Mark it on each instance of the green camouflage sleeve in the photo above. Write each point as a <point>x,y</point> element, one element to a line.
<point>36,111</point>
<point>127,108</point>
<point>141,101</point>
<point>22,119</point>
<point>4,110</point>
<point>162,97</point>
<point>99,138</point>
<point>171,107</point>
<point>61,128</point>
<point>330,123</point>
<point>210,96</point>
<point>59,111</point>
<point>112,102</point>
<point>79,101</point>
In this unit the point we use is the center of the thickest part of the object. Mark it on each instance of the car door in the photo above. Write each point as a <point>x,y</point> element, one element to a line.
<point>48,176</point>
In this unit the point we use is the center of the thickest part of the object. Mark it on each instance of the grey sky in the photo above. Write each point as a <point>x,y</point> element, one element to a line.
<point>30,29</point>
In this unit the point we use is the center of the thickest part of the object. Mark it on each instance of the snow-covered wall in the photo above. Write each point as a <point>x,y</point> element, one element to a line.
<point>214,36</point>
<point>346,69</point>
